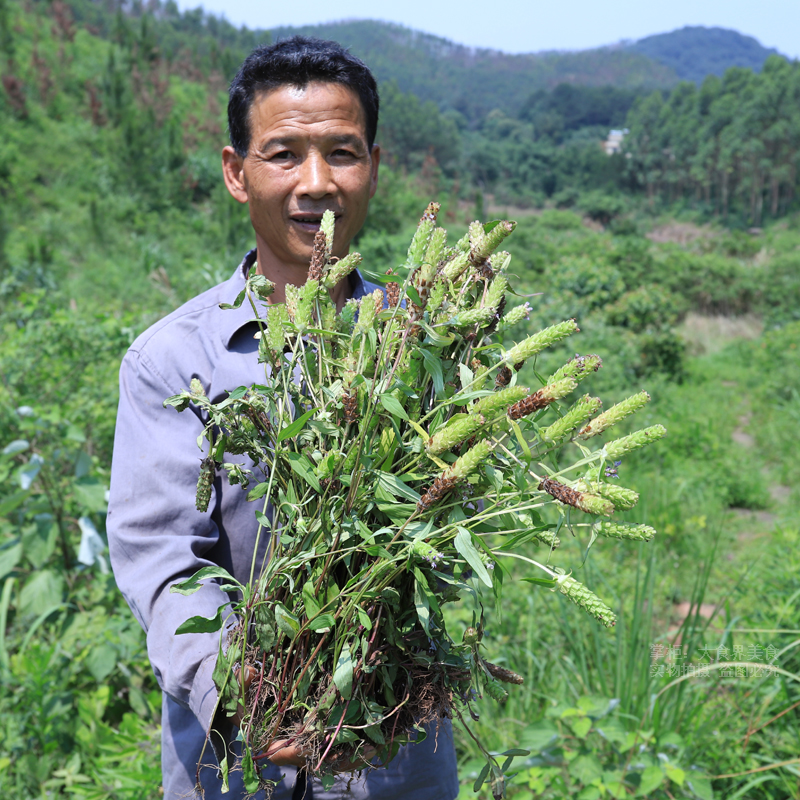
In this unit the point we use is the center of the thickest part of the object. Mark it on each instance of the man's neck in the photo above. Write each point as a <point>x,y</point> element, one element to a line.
<point>282,274</point>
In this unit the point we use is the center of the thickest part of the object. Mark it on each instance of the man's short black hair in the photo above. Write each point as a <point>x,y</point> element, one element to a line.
<point>297,61</point>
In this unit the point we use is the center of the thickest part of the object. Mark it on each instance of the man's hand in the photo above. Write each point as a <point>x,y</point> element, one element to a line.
<point>284,754</point>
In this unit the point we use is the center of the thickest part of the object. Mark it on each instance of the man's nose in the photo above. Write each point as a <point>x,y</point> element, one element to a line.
<point>316,178</point>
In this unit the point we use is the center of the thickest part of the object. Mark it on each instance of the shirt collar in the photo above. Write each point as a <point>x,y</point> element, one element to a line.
<point>233,320</point>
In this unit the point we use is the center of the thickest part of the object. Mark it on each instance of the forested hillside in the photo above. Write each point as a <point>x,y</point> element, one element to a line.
<point>695,51</point>
<point>732,143</point>
<point>474,81</point>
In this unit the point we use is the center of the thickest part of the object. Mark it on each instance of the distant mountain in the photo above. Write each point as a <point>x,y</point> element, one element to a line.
<point>474,81</point>
<point>694,52</point>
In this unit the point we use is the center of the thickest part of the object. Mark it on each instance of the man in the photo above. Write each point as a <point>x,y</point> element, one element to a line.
<point>302,115</point>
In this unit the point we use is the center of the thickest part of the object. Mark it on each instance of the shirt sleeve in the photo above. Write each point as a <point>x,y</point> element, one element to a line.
<point>157,537</point>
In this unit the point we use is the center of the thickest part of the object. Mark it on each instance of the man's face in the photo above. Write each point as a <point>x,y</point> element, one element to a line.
<point>308,153</point>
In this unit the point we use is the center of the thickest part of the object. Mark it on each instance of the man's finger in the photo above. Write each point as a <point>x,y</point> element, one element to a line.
<point>283,754</point>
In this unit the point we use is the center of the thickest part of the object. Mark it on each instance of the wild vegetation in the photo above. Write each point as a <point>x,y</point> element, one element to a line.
<point>113,214</point>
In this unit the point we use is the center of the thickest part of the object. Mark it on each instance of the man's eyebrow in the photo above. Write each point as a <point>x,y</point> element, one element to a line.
<point>288,141</point>
<point>347,138</point>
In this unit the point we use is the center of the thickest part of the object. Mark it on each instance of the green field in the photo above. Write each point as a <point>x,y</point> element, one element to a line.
<point>600,711</point>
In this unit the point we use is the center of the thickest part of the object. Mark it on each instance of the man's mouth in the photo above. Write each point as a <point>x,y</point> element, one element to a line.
<point>309,222</point>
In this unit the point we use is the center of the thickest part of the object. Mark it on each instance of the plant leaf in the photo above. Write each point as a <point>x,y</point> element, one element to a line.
<point>392,405</point>
<point>258,491</point>
<point>652,778</point>
<point>17,446</point>
<point>343,674</point>
<point>287,621</point>
<point>295,427</point>
<point>191,585</point>
<point>309,600</point>
<point>463,543</point>
<point>423,606</point>
<point>394,485</point>
<point>249,773</point>
<point>322,623</point>
<point>236,303</point>
<point>481,778</point>
<point>301,465</point>
<point>414,295</point>
<point>547,582</point>
<point>433,366</point>
<point>202,624</point>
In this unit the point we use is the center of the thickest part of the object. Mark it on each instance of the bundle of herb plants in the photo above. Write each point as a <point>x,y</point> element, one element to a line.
<point>396,463</point>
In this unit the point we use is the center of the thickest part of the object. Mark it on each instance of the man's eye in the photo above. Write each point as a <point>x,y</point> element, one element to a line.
<point>283,155</point>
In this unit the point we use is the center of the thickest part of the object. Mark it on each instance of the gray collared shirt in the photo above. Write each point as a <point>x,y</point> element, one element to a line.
<point>157,538</point>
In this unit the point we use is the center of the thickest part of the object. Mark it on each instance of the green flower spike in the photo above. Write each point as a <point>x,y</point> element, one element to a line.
<point>196,389</point>
<point>277,317</point>
<point>622,498</point>
<point>328,321</point>
<point>341,269</point>
<point>426,551</point>
<point>586,599</point>
<point>464,466</point>
<point>494,689</point>
<point>548,538</point>
<point>619,447</point>
<point>436,297</point>
<point>366,314</point>
<point>436,247</point>
<point>497,403</point>
<point>326,226</point>
<point>513,317</point>
<point>292,300</point>
<point>454,433</point>
<point>592,504</point>
<point>474,316</point>
<point>453,268</point>
<point>422,236</point>
<point>614,415</point>
<point>617,530</point>
<point>347,316</point>
<point>484,245</point>
<point>305,306</point>
<point>496,292</point>
<point>578,368</point>
<point>500,261</point>
<point>539,341</point>
<point>574,417</point>
<point>558,389</point>
<point>204,483</point>
<point>470,461</point>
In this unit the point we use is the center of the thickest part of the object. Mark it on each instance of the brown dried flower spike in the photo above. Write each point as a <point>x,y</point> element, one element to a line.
<point>503,378</point>
<point>350,407</point>
<point>439,488</point>
<point>392,292</point>
<point>317,257</point>
<point>589,503</point>
<point>533,402</point>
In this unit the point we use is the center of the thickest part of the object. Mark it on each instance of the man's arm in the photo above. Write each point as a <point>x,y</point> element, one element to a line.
<point>156,535</point>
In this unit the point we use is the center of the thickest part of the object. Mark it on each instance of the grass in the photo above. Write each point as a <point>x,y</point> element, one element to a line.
<point>721,574</point>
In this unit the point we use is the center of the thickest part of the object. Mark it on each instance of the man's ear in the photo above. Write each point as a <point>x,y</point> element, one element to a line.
<point>376,162</point>
<point>233,174</point>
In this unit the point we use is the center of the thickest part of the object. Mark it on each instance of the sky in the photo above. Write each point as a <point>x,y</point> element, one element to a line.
<point>522,26</point>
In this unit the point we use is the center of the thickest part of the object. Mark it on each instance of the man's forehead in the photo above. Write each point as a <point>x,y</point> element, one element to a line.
<point>313,101</point>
